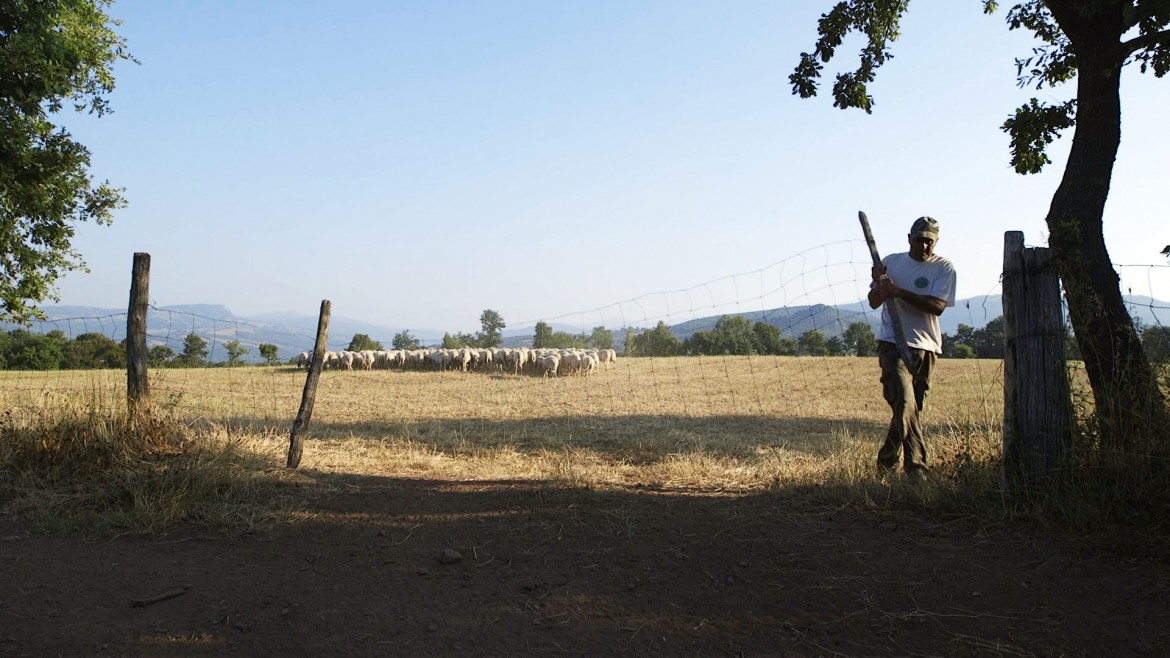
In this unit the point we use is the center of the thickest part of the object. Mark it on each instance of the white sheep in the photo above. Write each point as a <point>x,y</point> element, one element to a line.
<point>485,359</point>
<point>610,357</point>
<point>589,364</point>
<point>570,362</point>
<point>549,364</point>
<point>332,360</point>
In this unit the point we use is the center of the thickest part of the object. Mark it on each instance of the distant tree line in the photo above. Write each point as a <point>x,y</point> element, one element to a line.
<point>543,336</point>
<point>988,341</point>
<point>491,324</point>
<point>21,349</point>
<point>735,335</point>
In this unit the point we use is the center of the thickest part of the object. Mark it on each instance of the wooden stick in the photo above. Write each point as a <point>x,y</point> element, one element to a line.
<point>895,319</point>
<point>142,603</point>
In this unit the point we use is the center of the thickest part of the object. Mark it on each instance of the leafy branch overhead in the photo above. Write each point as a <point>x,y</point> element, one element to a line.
<point>878,21</point>
<point>1032,126</point>
<point>51,54</point>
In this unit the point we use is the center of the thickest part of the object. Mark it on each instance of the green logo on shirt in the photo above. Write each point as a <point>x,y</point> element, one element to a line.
<point>921,282</point>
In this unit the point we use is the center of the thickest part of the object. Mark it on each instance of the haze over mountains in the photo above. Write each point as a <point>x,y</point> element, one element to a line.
<point>295,332</point>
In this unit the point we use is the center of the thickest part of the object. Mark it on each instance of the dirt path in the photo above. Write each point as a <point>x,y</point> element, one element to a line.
<point>542,572</point>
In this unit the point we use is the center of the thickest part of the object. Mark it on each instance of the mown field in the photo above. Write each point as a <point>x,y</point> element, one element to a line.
<point>710,423</point>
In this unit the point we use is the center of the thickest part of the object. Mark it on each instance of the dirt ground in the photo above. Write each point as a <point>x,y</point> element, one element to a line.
<point>533,571</point>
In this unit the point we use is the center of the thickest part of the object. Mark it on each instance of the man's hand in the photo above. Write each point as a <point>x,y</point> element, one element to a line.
<point>883,286</point>
<point>882,289</point>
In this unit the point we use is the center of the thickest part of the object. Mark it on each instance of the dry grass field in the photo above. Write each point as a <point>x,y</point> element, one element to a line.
<point>707,424</point>
<point>671,507</point>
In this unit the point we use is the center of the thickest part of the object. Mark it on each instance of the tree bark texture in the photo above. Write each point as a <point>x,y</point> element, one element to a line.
<point>1129,406</point>
<point>137,380</point>
<point>296,440</point>
<point>1037,408</point>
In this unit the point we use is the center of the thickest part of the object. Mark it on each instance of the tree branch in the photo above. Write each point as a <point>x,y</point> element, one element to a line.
<point>1146,41</point>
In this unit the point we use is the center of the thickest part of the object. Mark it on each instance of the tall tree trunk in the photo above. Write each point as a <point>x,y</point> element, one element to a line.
<point>1130,407</point>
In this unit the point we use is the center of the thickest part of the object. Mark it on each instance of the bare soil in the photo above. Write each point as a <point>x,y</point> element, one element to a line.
<point>531,570</point>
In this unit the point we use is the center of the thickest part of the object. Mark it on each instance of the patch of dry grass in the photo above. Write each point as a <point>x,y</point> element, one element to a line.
<point>729,424</point>
<point>707,425</point>
<point>70,459</point>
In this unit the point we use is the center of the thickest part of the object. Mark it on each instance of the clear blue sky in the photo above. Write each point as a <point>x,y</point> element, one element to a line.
<point>418,162</point>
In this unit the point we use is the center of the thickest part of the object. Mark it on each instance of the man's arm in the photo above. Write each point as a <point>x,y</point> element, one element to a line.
<point>875,296</point>
<point>877,291</point>
<point>924,303</point>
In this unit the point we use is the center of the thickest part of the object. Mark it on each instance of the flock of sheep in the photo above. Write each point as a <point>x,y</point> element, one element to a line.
<point>547,362</point>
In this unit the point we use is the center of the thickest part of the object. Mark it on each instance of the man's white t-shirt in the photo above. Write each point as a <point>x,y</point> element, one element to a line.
<point>933,277</point>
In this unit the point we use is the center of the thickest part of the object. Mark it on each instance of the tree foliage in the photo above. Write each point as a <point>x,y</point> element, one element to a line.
<point>21,349</point>
<point>812,343</point>
<point>962,351</point>
<point>767,340</point>
<point>459,339</point>
<point>835,346</point>
<point>732,334</point>
<point>541,335</point>
<point>91,351</point>
<point>52,54</point>
<point>25,350</point>
<point>859,339</point>
<point>491,324</point>
<point>1089,41</point>
<point>659,341</point>
<point>270,353</point>
<point>601,339</point>
<point>235,351</point>
<point>1157,342</point>
<point>986,342</point>
<point>159,356</point>
<point>362,342</point>
<point>735,335</point>
<point>404,340</point>
<point>194,352</point>
<point>563,339</point>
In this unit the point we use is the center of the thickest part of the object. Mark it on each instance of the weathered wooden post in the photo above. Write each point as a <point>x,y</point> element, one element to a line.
<point>296,444</point>
<point>1036,404</point>
<point>137,381</point>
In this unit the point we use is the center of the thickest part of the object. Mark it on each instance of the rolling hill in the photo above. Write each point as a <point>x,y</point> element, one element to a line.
<point>295,332</point>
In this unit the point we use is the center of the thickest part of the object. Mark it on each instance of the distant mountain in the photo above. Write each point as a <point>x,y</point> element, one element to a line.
<point>293,333</point>
<point>342,330</point>
<point>792,321</point>
<point>208,311</point>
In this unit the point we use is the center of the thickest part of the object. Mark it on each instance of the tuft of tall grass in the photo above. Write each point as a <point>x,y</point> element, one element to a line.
<point>96,472</point>
<point>1122,496</point>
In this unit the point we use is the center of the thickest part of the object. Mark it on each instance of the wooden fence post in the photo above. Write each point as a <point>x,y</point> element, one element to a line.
<point>137,380</point>
<point>296,443</point>
<point>1036,404</point>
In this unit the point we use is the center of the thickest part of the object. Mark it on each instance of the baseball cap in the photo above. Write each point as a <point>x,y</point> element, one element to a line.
<point>925,227</point>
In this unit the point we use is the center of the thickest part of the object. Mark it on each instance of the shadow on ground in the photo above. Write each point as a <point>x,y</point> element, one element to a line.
<point>391,566</point>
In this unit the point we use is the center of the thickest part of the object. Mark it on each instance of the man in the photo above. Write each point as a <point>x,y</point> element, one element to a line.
<point>919,285</point>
